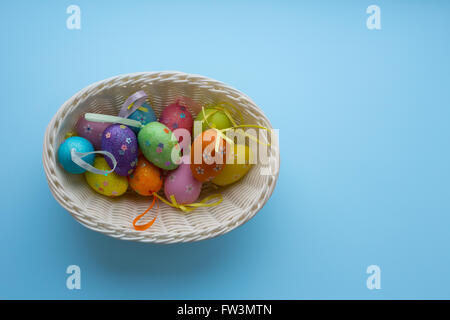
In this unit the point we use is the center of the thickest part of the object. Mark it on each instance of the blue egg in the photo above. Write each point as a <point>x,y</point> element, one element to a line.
<point>143,117</point>
<point>79,144</point>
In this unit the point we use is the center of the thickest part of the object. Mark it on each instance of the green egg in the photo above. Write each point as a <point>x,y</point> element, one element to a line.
<point>216,118</point>
<point>159,145</point>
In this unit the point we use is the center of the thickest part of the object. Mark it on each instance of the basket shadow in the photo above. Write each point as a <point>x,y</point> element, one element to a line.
<point>142,260</point>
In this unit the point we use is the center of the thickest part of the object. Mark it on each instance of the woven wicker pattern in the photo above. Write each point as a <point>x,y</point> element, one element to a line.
<point>114,216</point>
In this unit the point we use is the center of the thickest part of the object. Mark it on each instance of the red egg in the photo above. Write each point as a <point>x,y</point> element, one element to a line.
<point>177,116</point>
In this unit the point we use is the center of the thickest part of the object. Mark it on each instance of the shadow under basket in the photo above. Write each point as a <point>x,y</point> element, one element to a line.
<point>114,216</point>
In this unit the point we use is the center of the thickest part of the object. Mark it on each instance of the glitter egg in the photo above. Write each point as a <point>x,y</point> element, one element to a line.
<point>176,116</point>
<point>121,142</point>
<point>159,145</point>
<point>206,163</point>
<point>78,144</point>
<point>238,163</point>
<point>182,185</point>
<point>143,116</point>
<point>91,131</point>
<point>111,185</point>
<point>146,178</point>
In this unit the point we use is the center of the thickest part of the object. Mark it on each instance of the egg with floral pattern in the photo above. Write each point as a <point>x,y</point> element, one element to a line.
<point>121,142</point>
<point>182,185</point>
<point>146,178</point>
<point>91,131</point>
<point>159,145</point>
<point>111,185</point>
<point>238,163</point>
<point>206,163</point>
<point>176,116</point>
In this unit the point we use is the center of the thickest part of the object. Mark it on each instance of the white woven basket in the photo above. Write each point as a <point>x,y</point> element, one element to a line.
<point>114,216</point>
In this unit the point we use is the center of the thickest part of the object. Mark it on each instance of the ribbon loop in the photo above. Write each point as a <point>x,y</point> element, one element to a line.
<point>142,227</point>
<point>77,158</point>
<point>133,103</point>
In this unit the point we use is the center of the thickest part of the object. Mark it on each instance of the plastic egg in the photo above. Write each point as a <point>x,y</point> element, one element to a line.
<point>111,185</point>
<point>182,185</point>
<point>146,178</point>
<point>91,131</point>
<point>79,144</point>
<point>122,143</point>
<point>205,163</point>
<point>176,116</point>
<point>216,118</point>
<point>142,116</point>
<point>237,165</point>
<point>159,145</point>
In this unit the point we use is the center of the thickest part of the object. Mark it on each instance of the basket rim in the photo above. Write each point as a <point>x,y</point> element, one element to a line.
<point>123,232</point>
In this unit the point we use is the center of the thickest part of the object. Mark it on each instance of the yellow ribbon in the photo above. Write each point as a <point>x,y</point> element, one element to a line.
<point>221,132</point>
<point>139,108</point>
<point>223,106</point>
<point>188,207</point>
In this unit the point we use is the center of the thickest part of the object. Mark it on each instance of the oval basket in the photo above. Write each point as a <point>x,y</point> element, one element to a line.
<point>114,216</point>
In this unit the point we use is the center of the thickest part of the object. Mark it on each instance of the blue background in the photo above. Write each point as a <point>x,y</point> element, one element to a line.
<point>364,134</point>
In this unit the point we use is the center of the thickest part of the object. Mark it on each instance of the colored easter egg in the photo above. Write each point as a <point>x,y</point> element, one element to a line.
<point>91,131</point>
<point>182,185</point>
<point>70,134</point>
<point>216,118</point>
<point>206,163</point>
<point>111,185</point>
<point>176,116</point>
<point>121,142</point>
<point>146,178</point>
<point>159,145</point>
<point>79,144</point>
<point>143,116</point>
<point>238,163</point>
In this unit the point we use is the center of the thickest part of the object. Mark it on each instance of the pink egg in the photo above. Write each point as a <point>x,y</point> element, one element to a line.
<point>177,116</point>
<point>91,131</point>
<point>181,184</point>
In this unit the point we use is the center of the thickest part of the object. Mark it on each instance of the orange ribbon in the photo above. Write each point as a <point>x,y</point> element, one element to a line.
<point>143,227</point>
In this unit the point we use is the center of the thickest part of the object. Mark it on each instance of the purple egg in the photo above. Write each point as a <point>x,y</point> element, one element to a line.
<point>182,185</point>
<point>122,143</point>
<point>91,131</point>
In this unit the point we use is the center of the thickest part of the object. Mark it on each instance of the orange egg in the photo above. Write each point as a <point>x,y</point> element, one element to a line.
<point>206,163</point>
<point>146,178</point>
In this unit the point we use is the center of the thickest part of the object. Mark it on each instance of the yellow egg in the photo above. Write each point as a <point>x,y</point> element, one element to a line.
<point>237,165</point>
<point>111,185</point>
